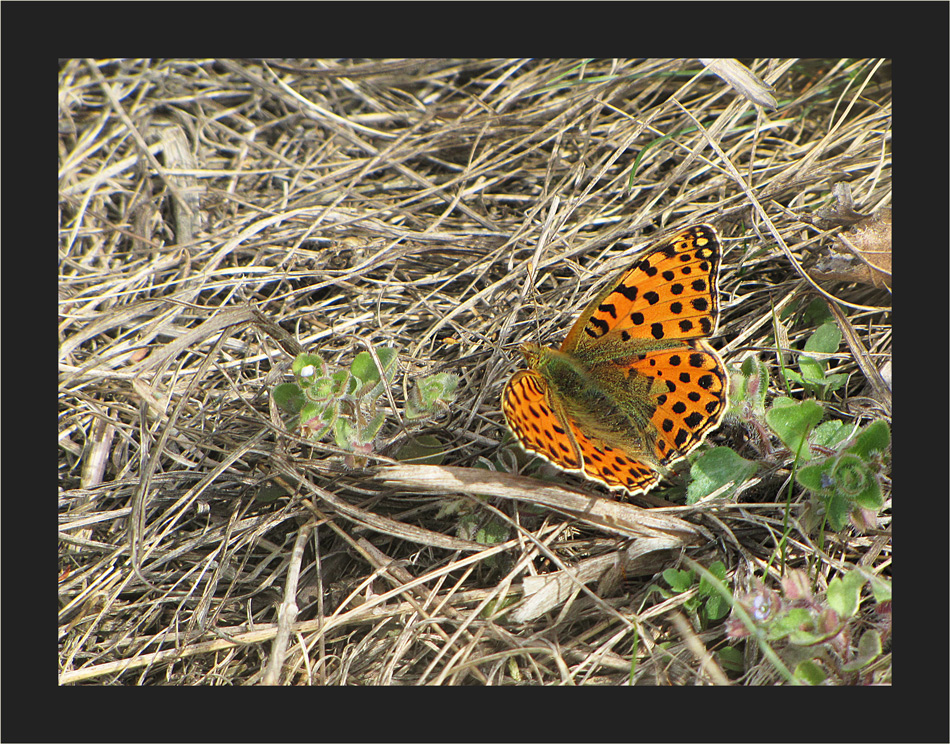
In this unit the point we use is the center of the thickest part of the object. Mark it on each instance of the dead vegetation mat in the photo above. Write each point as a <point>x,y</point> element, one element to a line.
<point>218,217</point>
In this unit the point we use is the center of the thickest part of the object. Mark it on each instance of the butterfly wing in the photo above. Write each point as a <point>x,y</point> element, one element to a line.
<point>537,421</point>
<point>683,392</point>
<point>614,466</point>
<point>671,293</point>
<point>543,426</point>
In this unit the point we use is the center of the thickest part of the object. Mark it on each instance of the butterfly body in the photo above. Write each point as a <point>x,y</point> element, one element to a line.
<point>634,387</point>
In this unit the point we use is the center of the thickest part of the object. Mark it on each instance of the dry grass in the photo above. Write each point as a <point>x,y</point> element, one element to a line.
<point>450,209</point>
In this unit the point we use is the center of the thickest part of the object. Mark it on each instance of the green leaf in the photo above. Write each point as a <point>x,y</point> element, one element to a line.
<point>352,436</point>
<point>793,377</point>
<point>429,393</point>
<point>850,475</point>
<point>716,607</point>
<point>813,371</point>
<point>308,365</point>
<point>793,421</point>
<point>757,386</point>
<point>679,581</point>
<point>844,593</point>
<point>810,673</point>
<point>310,411</point>
<point>714,469</point>
<point>825,340</point>
<point>816,477</point>
<point>328,388</point>
<point>816,313</point>
<point>880,588</point>
<point>492,533</point>
<point>317,418</point>
<point>424,450</point>
<point>663,592</point>
<point>829,434</point>
<point>731,659</point>
<point>869,648</point>
<point>341,382</point>
<point>443,386</point>
<point>837,508</point>
<point>289,397</point>
<point>318,412</point>
<point>269,493</point>
<point>871,497</point>
<point>796,624</point>
<point>833,382</point>
<point>706,588</point>
<point>875,437</point>
<point>364,368</point>
<point>345,434</point>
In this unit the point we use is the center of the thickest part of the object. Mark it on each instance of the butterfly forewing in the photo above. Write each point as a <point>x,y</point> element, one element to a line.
<point>670,293</point>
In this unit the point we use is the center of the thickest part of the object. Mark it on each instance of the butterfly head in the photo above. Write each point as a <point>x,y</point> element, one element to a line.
<point>532,353</point>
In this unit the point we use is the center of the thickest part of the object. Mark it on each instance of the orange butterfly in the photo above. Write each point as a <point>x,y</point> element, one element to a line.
<point>634,387</point>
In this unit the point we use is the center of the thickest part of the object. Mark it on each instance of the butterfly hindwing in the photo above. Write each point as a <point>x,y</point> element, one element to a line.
<point>554,434</point>
<point>538,426</point>
<point>689,393</point>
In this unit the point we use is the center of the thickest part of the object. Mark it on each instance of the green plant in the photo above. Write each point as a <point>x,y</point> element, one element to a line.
<point>812,373</point>
<point>346,401</point>
<point>841,466</point>
<point>846,482</point>
<point>748,387</point>
<point>719,470</point>
<point>430,394</point>
<point>815,635</point>
<point>707,605</point>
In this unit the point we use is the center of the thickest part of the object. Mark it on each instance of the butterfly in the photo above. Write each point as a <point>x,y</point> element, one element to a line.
<point>634,387</point>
